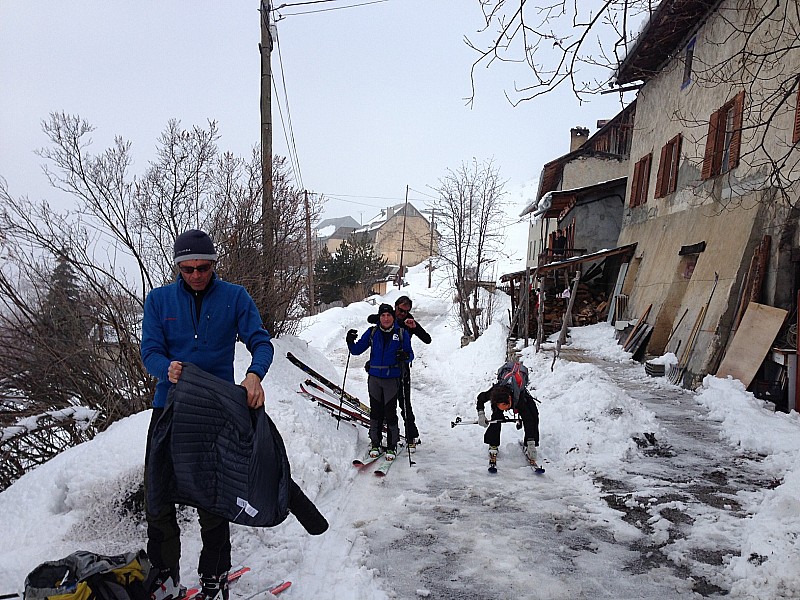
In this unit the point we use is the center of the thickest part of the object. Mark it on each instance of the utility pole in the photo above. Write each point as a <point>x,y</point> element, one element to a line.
<point>402,243</point>
<point>267,207</point>
<point>430,250</point>
<point>310,260</point>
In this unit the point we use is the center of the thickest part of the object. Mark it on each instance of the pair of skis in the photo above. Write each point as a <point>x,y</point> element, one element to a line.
<point>345,397</point>
<point>383,467</point>
<point>539,470</point>
<point>234,576</point>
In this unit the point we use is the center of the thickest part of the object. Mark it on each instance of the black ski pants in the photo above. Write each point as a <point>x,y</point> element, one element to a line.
<point>404,399</point>
<point>164,534</point>
<point>383,410</point>
<point>529,415</point>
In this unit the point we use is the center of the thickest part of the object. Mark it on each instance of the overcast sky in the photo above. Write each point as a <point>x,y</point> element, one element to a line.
<point>375,93</point>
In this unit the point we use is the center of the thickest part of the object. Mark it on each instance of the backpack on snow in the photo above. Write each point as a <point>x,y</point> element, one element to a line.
<point>88,576</point>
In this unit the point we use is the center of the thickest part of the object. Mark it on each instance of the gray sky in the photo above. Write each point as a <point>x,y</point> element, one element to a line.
<point>375,93</point>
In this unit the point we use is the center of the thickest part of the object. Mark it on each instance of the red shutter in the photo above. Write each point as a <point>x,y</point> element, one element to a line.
<point>711,147</point>
<point>676,159</point>
<point>796,133</point>
<point>663,169</point>
<point>736,137</point>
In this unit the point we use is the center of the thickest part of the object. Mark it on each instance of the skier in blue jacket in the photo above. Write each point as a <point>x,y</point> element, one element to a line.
<point>390,348</point>
<point>198,319</point>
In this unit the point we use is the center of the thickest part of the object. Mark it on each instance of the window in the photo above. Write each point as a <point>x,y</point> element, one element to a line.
<point>724,139</point>
<point>796,132</point>
<point>641,181</point>
<point>687,63</point>
<point>667,176</point>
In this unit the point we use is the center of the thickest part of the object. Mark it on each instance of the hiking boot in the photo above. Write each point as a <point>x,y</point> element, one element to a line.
<point>530,452</point>
<point>374,452</point>
<point>214,587</point>
<point>492,451</point>
<point>391,454</point>
<point>167,586</point>
<point>412,445</point>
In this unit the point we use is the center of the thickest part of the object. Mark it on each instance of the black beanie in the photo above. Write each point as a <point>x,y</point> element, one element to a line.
<point>194,245</point>
<point>385,308</point>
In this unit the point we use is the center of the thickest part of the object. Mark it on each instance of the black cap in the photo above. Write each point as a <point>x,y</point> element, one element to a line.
<point>194,245</point>
<point>385,308</point>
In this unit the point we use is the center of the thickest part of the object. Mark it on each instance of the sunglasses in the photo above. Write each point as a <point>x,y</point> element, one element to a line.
<point>187,270</point>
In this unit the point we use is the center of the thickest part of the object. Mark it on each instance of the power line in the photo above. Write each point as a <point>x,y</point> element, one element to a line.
<point>291,146</point>
<point>308,12</point>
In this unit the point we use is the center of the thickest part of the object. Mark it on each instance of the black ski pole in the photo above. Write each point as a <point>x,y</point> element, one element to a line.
<point>341,396</point>
<point>407,404</point>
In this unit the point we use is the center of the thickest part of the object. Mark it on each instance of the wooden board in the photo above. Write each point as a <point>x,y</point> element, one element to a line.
<point>753,340</point>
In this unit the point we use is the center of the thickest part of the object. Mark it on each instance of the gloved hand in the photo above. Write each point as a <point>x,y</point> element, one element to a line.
<point>482,419</point>
<point>351,337</point>
<point>402,356</point>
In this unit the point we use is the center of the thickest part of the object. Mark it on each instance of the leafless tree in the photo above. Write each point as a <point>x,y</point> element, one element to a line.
<point>579,45</point>
<point>470,221</point>
<point>560,43</point>
<point>110,250</point>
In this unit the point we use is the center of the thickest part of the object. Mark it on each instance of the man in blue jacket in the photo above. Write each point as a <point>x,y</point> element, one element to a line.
<point>390,348</point>
<point>198,319</point>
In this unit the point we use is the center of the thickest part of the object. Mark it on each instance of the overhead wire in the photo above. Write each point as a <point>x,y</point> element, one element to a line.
<point>308,12</point>
<point>288,130</point>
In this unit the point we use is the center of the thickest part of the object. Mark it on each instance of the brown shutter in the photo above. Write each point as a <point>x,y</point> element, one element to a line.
<point>663,169</point>
<point>635,183</point>
<point>796,133</point>
<point>676,159</point>
<point>736,138</point>
<point>648,160</point>
<point>711,147</point>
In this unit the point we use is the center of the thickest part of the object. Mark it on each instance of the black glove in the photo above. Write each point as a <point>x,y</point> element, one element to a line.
<point>402,356</point>
<point>351,337</point>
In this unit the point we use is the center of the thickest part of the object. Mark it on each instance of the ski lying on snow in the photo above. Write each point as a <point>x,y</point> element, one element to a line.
<point>274,589</point>
<point>333,407</point>
<point>359,406</point>
<point>233,577</point>
<point>304,367</point>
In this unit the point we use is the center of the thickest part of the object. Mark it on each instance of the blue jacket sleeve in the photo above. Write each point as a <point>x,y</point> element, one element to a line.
<point>257,339</point>
<point>361,345</point>
<point>154,346</point>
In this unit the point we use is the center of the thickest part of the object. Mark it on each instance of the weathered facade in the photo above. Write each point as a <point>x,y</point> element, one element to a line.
<point>402,235</point>
<point>714,168</point>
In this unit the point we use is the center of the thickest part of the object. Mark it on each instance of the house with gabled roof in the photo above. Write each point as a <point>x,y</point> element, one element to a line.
<point>402,235</point>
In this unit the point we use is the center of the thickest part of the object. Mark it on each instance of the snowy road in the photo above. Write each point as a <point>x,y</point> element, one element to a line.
<point>457,532</point>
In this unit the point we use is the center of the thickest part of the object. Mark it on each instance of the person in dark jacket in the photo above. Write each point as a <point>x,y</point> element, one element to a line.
<point>390,348</point>
<point>404,318</point>
<point>198,319</point>
<point>510,392</point>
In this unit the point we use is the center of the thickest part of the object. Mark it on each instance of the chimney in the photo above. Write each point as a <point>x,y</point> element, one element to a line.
<point>578,135</point>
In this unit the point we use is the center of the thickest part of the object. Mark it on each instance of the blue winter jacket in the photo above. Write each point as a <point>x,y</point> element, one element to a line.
<point>383,361</point>
<point>171,331</point>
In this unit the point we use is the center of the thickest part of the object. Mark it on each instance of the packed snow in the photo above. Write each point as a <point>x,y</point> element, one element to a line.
<point>442,523</point>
